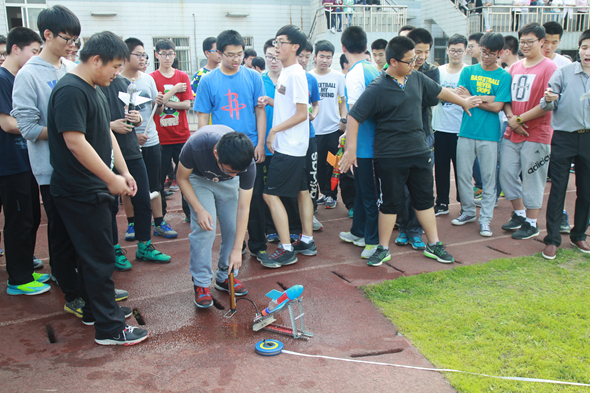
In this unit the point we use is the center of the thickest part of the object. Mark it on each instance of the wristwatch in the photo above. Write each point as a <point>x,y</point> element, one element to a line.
<point>519,120</point>
<point>343,120</point>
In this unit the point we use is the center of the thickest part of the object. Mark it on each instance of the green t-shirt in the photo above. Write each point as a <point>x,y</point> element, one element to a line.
<point>484,125</point>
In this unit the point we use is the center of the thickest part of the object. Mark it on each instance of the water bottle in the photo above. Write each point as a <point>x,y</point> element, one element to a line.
<point>131,90</point>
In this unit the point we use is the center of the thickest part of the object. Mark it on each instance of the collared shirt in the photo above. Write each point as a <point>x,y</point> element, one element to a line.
<point>403,87</point>
<point>569,113</point>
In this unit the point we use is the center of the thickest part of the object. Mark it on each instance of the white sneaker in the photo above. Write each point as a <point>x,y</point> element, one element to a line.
<point>369,251</point>
<point>316,224</point>
<point>485,230</point>
<point>463,219</point>
<point>350,238</point>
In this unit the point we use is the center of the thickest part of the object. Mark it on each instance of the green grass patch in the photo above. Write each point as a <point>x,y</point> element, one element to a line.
<point>521,317</point>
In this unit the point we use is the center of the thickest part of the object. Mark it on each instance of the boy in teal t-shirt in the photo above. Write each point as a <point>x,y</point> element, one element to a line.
<point>480,133</point>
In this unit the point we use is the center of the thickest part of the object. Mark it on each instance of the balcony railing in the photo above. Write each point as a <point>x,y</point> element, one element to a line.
<point>372,18</point>
<point>511,18</point>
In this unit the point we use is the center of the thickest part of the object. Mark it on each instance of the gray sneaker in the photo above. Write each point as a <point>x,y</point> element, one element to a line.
<point>165,230</point>
<point>485,230</point>
<point>463,219</point>
<point>316,224</point>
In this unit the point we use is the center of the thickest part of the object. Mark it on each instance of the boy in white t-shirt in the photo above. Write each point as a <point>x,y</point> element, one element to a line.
<point>288,140</point>
<point>446,123</point>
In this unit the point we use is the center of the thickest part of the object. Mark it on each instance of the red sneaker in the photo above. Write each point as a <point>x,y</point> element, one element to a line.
<point>239,288</point>
<point>203,297</point>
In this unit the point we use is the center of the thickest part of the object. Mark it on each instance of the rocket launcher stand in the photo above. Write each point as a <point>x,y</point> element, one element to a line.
<point>266,322</point>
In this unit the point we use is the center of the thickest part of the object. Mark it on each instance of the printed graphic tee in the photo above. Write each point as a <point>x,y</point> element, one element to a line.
<point>446,117</point>
<point>331,87</point>
<point>147,88</point>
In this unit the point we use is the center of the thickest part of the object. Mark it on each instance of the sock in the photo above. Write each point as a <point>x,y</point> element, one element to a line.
<point>532,221</point>
<point>521,213</point>
<point>130,220</point>
<point>158,221</point>
<point>564,212</point>
<point>287,247</point>
<point>306,239</point>
<point>433,244</point>
<point>385,248</point>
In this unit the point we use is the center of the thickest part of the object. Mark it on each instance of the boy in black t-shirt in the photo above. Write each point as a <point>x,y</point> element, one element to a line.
<point>19,192</point>
<point>394,101</point>
<point>83,151</point>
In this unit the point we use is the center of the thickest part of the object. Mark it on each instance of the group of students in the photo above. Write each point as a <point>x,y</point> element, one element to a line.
<point>257,163</point>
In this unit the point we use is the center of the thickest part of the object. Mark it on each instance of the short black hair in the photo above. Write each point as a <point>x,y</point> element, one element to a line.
<point>2,39</point>
<point>324,46</point>
<point>268,44</point>
<point>234,149</point>
<point>398,47</point>
<point>259,62</point>
<point>107,45</point>
<point>343,60</point>
<point>511,43</point>
<point>584,36</point>
<point>457,39</point>
<point>553,28</point>
<point>295,35</point>
<point>406,28</point>
<point>58,19</point>
<point>492,41</point>
<point>133,43</point>
<point>165,44</point>
<point>354,40</point>
<point>308,47</point>
<point>379,44</point>
<point>420,36</point>
<point>208,43</point>
<point>21,37</point>
<point>475,37</point>
<point>229,37</point>
<point>250,53</point>
<point>532,28</point>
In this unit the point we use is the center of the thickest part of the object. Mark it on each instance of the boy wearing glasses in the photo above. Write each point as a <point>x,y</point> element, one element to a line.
<point>229,96</point>
<point>59,28</point>
<point>172,123</point>
<point>3,53</point>
<point>402,156</point>
<point>213,60</point>
<point>288,140</point>
<point>480,132</point>
<point>216,174</point>
<point>527,141</point>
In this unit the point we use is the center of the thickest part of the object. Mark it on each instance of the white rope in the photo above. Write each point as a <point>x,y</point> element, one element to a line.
<point>438,369</point>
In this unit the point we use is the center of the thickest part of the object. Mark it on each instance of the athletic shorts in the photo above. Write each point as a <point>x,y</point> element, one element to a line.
<point>394,173</point>
<point>287,175</point>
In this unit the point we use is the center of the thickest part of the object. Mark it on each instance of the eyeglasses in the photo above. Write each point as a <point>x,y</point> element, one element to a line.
<point>229,173</point>
<point>278,43</point>
<point>167,55</point>
<point>527,43</point>
<point>456,52</point>
<point>212,50</point>
<point>233,55</point>
<point>411,62</point>
<point>70,41</point>
<point>270,59</point>
<point>488,54</point>
<point>141,55</point>
<point>472,46</point>
<point>4,54</point>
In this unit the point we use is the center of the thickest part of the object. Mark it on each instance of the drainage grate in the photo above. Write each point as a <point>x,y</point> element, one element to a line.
<point>376,353</point>
<point>283,286</point>
<point>217,305</point>
<point>341,276</point>
<point>138,317</point>
<point>394,268</point>
<point>50,334</point>
<point>497,249</point>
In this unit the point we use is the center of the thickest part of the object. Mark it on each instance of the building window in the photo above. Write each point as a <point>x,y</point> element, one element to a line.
<point>23,13</point>
<point>440,50</point>
<point>183,53</point>
<point>249,41</point>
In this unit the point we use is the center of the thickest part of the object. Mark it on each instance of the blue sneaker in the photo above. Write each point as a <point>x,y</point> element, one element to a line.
<point>130,234</point>
<point>402,239</point>
<point>30,288</point>
<point>417,243</point>
<point>272,238</point>
<point>1,252</point>
<point>165,230</point>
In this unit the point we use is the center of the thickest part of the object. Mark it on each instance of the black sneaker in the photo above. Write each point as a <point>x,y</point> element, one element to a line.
<point>300,247</point>
<point>129,336</point>
<point>321,200</point>
<point>564,227</point>
<point>438,252</point>
<point>440,209</point>
<point>514,223</point>
<point>239,288</point>
<point>89,320</point>
<point>379,256</point>
<point>526,231</point>
<point>279,258</point>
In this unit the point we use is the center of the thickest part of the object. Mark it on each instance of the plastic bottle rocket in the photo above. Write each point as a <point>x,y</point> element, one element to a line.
<point>279,300</point>
<point>336,170</point>
<point>132,91</point>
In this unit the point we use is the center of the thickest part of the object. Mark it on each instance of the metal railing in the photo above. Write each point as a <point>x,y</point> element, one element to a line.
<point>372,18</point>
<point>511,18</point>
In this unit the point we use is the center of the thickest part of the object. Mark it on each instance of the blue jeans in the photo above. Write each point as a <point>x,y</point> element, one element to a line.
<point>366,212</point>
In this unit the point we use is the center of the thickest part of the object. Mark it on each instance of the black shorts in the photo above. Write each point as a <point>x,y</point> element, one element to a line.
<point>394,173</point>
<point>287,175</point>
<point>152,157</point>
